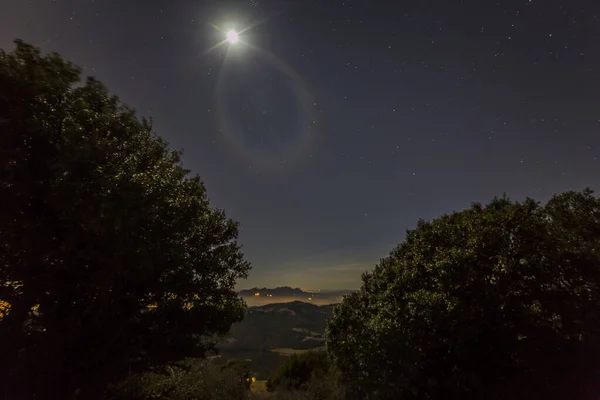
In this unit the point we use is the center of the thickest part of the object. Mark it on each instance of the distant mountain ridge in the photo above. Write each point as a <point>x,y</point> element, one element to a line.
<point>284,291</point>
<point>287,291</point>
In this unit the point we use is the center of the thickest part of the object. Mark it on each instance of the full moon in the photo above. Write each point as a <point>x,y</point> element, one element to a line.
<point>232,37</point>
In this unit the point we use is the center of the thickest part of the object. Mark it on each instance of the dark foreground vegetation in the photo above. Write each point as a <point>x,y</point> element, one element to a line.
<point>498,301</point>
<point>117,276</point>
<point>111,259</point>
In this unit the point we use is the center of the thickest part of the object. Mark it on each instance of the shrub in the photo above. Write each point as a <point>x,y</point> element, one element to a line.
<point>299,369</point>
<point>190,380</point>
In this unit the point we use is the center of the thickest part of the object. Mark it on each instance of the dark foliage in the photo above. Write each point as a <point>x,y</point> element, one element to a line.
<point>111,258</point>
<point>188,380</point>
<point>299,369</point>
<point>498,302</point>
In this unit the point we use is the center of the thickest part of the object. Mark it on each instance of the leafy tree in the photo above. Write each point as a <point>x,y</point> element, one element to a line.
<point>498,301</point>
<point>111,258</point>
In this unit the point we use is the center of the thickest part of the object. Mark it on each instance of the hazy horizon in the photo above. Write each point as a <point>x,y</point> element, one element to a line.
<point>309,290</point>
<point>333,270</point>
<point>263,301</point>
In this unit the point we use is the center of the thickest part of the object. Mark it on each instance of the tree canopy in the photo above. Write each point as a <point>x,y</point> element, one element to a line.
<point>112,259</point>
<point>497,301</point>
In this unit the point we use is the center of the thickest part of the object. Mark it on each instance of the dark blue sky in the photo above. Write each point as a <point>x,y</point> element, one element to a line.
<point>335,125</point>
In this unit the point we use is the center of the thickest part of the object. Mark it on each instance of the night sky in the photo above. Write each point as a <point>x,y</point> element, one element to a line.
<point>333,126</point>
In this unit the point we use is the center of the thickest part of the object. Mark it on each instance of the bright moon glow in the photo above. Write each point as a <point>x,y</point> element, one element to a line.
<point>232,37</point>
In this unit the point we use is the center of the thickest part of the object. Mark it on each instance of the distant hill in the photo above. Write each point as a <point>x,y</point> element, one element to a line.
<point>263,296</point>
<point>295,325</point>
<point>271,330</point>
<point>284,291</point>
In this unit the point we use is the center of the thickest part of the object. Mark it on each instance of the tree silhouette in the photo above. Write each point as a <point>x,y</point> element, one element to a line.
<point>111,257</point>
<point>499,302</point>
